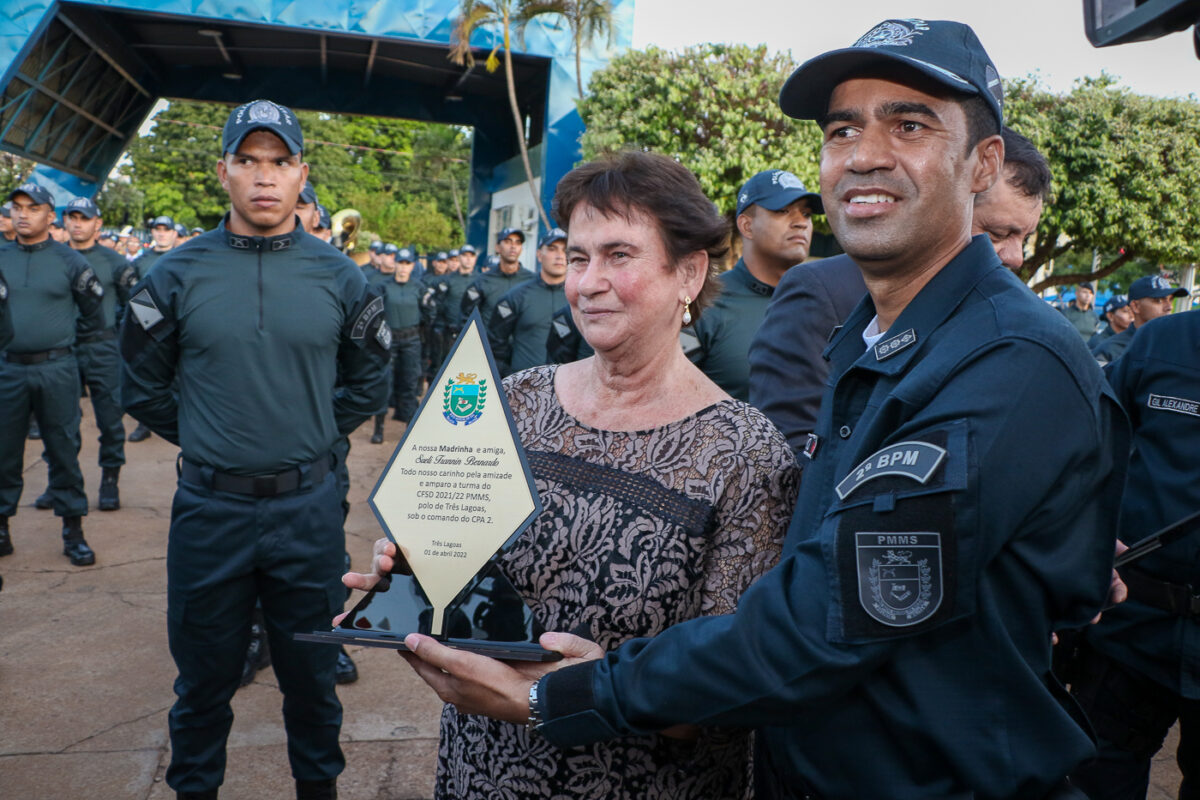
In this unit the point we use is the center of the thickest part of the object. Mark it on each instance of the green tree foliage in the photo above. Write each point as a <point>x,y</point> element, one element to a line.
<point>13,171</point>
<point>1124,168</point>
<point>587,19</point>
<point>712,107</point>
<point>408,179</point>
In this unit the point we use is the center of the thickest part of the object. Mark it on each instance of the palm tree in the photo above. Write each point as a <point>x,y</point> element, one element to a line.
<point>589,20</point>
<point>508,15</point>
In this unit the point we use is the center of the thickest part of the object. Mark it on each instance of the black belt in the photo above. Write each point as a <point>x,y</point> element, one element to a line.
<point>1174,598</point>
<point>37,358</point>
<point>102,336</point>
<point>289,480</point>
<point>406,333</point>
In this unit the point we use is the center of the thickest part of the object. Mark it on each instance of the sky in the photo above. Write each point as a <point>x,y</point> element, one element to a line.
<point>1022,36</point>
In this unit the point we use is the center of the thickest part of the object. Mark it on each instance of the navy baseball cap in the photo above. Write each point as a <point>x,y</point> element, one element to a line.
<point>308,194</point>
<point>442,255</point>
<point>181,229</point>
<point>1154,286</point>
<point>197,231</point>
<point>324,221</point>
<point>262,115</point>
<point>1116,303</point>
<point>493,262</point>
<point>390,249</point>
<point>551,236</point>
<point>82,205</point>
<point>466,248</point>
<point>507,232</point>
<point>405,255</point>
<point>40,195</point>
<point>775,190</point>
<point>375,246</point>
<point>454,254</point>
<point>163,220</point>
<point>948,53</point>
<point>1091,287</point>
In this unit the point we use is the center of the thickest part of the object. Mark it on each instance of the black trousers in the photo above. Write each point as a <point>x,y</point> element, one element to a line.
<point>1132,715</point>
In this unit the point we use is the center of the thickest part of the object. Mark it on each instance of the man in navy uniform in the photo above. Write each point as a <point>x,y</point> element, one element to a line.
<point>901,648</point>
<point>51,288</point>
<point>521,321</point>
<point>165,237</point>
<point>450,316</point>
<point>1141,671</point>
<point>1117,317</point>
<point>96,348</point>
<point>774,219</point>
<point>787,372</point>
<point>491,285</point>
<point>1149,298</point>
<point>255,348</point>
<point>1081,311</point>
<point>405,314</point>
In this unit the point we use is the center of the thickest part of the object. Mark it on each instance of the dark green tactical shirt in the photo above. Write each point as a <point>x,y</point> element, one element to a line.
<point>719,342</point>
<point>403,300</point>
<point>117,276</point>
<point>276,345</point>
<point>146,260</point>
<point>487,289</point>
<point>450,314</point>
<point>50,287</point>
<point>521,323</point>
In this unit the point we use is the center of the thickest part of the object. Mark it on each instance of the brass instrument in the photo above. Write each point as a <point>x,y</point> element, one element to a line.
<point>346,225</point>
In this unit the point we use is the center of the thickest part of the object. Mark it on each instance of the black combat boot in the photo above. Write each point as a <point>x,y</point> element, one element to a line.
<point>110,497</point>
<point>210,794</point>
<point>6,548</point>
<point>140,434</point>
<point>258,654</point>
<point>377,436</point>
<point>316,790</point>
<point>345,671</point>
<point>74,545</point>
<point>34,431</point>
<point>43,501</point>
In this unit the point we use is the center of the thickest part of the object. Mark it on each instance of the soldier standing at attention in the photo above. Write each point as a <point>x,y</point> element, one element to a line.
<point>51,288</point>
<point>457,280</point>
<point>774,219</point>
<point>405,313</point>
<point>521,322</point>
<point>164,235</point>
<point>96,348</point>
<point>490,286</point>
<point>252,315</point>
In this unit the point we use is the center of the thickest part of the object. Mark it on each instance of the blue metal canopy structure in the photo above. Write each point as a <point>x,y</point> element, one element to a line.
<point>78,79</point>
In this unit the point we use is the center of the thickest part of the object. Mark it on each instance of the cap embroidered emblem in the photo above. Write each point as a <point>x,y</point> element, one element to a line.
<point>264,111</point>
<point>893,33</point>
<point>786,180</point>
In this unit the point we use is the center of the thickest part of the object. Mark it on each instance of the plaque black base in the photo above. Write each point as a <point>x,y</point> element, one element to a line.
<point>489,617</point>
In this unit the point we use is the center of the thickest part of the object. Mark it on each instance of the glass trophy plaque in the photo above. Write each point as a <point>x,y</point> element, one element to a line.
<point>454,495</point>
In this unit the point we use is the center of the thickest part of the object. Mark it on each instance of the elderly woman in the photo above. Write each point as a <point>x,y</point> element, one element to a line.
<point>664,498</point>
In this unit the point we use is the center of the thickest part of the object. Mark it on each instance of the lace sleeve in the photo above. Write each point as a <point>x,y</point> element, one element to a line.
<point>753,511</point>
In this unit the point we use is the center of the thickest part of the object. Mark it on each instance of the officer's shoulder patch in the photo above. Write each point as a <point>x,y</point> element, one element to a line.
<point>689,341</point>
<point>915,460</point>
<point>86,281</point>
<point>504,309</point>
<point>561,327</point>
<point>1179,405</point>
<point>363,320</point>
<point>900,581</point>
<point>473,293</point>
<point>145,310</point>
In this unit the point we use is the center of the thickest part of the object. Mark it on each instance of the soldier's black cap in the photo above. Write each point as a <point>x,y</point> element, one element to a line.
<point>163,220</point>
<point>390,249</point>
<point>375,246</point>
<point>84,206</point>
<point>507,232</point>
<point>40,195</point>
<point>1154,286</point>
<point>197,231</point>
<point>405,256</point>
<point>441,255</point>
<point>948,53</point>
<point>324,221</point>
<point>466,248</point>
<point>262,115</point>
<point>308,194</point>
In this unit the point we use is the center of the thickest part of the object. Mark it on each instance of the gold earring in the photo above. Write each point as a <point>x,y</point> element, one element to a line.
<point>687,314</point>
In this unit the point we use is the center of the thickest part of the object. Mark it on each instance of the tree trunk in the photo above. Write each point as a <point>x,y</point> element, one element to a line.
<point>578,63</point>
<point>462,223</point>
<point>516,112</point>
<point>1077,277</point>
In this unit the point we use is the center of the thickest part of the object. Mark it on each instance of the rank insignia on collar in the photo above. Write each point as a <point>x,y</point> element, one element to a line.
<point>239,242</point>
<point>916,460</point>
<point>889,347</point>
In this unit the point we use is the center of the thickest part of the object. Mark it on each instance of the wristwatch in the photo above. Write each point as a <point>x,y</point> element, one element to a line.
<point>533,722</point>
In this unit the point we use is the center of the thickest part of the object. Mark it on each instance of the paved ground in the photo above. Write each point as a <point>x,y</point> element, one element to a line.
<point>85,676</point>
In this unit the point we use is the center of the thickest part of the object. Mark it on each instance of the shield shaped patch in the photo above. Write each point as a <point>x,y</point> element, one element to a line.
<point>899,576</point>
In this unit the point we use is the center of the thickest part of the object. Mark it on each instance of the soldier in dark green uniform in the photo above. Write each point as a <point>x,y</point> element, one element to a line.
<point>50,287</point>
<point>1081,312</point>
<point>96,348</point>
<point>564,342</point>
<point>521,321</point>
<point>162,231</point>
<point>774,218</point>
<point>490,286</point>
<point>255,348</point>
<point>371,268</point>
<point>1117,317</point>
<point>405,314</point>
<point>437,287</point>
<point>6,336</point>
<point>450,311</point>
